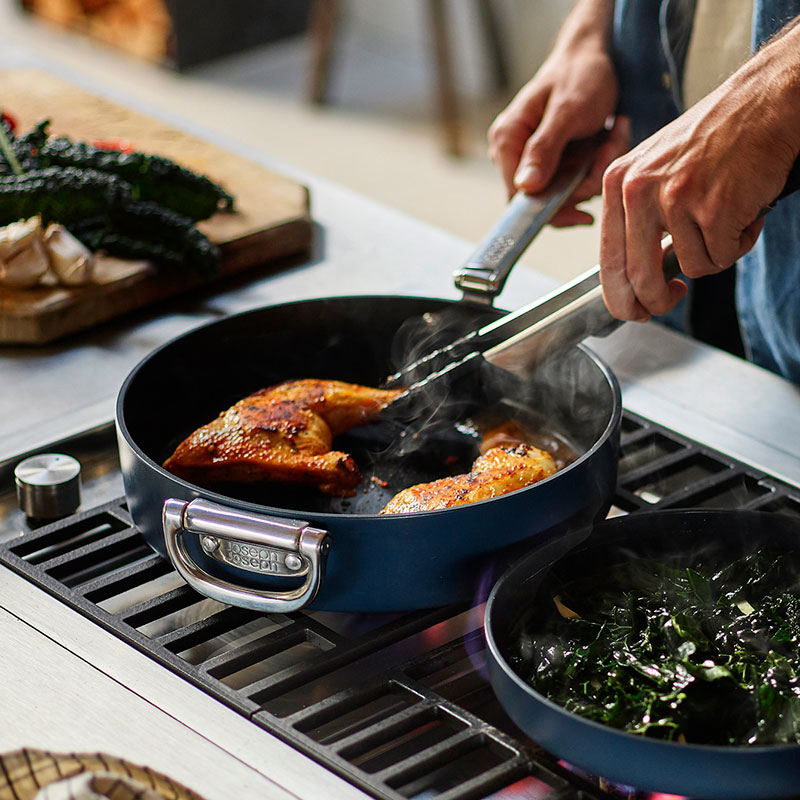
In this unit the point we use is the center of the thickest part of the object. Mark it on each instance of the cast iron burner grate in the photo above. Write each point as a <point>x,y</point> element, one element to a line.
<point>398,704</point>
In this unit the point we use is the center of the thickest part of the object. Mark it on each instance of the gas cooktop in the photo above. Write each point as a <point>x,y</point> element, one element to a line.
<point>397,704</point>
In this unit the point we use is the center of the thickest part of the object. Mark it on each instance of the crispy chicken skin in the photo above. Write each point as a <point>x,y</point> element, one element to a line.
<point>284,434</point>
<point>498,471</point>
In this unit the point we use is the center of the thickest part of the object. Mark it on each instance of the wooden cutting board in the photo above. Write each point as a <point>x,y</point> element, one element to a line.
<point>272,218</point>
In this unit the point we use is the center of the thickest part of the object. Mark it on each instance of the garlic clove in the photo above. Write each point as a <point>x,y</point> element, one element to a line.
<point>19,235</point>
<point>25,268</point>
<point>70,259</point>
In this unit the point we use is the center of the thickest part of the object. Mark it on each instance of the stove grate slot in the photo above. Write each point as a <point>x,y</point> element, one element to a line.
<point>289,649</point>
<point>632,425</point>
<point>623,504</point>
<point>454,768</point>
<point>54,541</point>
<point>779,504</point>
<point>155,608</point>
<point>740,491</point>
<point>668,480</point>
<point>97,558</point>
<point>128,579</point>
<point>125,601</point>
<point>401,739</point>
<point>200,631</point>
<point>352,713</point>
<point>646,450</point>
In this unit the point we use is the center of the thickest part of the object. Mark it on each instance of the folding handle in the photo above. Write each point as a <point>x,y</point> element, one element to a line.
<point>269,546</point>
<point>575,311</point>
<point>482,277</point>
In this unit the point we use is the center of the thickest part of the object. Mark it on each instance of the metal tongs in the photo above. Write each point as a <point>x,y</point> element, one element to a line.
<point>518,343</point>
<point>521,341</point>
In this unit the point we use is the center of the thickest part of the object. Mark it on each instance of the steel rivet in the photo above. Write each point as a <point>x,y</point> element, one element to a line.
<point>293,562</point>
<point>209,544</point>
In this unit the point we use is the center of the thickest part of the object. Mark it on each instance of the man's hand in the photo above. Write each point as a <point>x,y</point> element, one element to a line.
<point>572,96</point>
<point>705,179</point>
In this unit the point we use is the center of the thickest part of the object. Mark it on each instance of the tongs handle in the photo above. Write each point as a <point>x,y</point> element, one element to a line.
<point>482,277</point>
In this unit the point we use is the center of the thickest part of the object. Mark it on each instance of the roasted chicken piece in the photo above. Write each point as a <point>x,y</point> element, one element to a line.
<point>507,434</point>
<point>498,471</point>
<point>283,433</point>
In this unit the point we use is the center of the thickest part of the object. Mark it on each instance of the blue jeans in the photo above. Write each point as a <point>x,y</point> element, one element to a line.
<point>649,45</point>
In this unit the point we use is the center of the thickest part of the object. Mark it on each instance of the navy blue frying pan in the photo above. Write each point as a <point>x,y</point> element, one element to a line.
<point>278,548</point>
<point>724,772</point>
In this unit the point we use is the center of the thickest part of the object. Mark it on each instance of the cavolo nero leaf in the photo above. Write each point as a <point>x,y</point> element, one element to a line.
<point>705,654</point>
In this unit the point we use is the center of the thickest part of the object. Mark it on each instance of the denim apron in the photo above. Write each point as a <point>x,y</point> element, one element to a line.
<point>649,44</point>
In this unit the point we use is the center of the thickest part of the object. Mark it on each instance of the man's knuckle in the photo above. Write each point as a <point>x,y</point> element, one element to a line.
<point>613,177</point>
<point>498,135</point>
<point>635,188</point>
<point>659,306</point>
<point>691,270</point>
<point>722,253</point>
<point>543,142</point>
<point>673,200</point>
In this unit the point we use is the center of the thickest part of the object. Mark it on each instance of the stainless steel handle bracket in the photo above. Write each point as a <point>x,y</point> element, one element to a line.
<point>280,548</point>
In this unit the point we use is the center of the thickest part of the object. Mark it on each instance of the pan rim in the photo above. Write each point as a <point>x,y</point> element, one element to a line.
<point>607,374</point>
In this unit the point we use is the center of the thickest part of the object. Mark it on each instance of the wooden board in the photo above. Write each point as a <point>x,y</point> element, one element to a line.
<point>271,221</point>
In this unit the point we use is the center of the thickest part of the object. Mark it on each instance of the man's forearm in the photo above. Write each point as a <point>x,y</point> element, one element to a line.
<point>589,22</point>
<point>774,71</point>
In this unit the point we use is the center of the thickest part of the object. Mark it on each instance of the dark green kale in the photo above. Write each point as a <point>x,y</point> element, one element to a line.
<point>706,654</point>
<point>154,178</point>
<point>151,177</point>
<point>101,211</point>
<point>130,205</point>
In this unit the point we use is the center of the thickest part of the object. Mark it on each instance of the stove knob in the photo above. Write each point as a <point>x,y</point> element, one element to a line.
<point>48,485</point>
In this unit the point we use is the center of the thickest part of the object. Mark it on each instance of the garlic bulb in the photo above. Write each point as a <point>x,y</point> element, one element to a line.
<point>70,259</point>
<point>19,235</point>
<point>25,268</point>
<point>30,256</point>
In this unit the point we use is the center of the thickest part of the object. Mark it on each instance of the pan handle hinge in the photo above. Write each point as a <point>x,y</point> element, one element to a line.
<point>257,545</point>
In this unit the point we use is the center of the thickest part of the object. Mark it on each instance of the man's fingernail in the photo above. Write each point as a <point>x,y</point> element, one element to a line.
<point>528,175</point>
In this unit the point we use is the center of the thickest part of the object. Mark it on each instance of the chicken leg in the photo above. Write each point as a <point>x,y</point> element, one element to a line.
<point>501,469</point>
<point>283,433</point>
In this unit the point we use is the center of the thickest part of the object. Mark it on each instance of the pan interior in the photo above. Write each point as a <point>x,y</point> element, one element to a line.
<point>363,340</point>
<point>641,546</point>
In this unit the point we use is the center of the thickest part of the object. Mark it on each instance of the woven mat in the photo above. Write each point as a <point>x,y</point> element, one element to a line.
<point>39,775</point>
